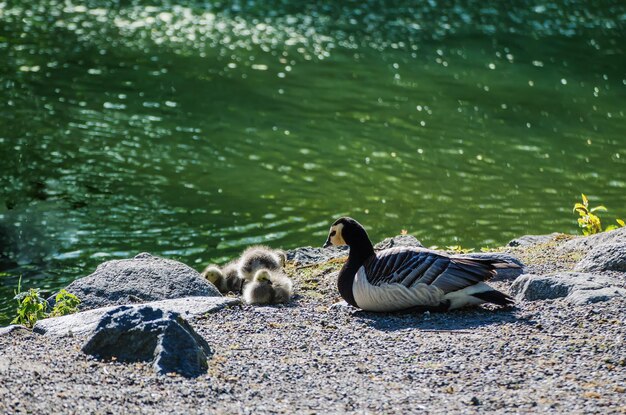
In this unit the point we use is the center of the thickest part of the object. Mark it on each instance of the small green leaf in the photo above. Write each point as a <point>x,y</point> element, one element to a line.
<point>621,223</point>
<point>601,208</point>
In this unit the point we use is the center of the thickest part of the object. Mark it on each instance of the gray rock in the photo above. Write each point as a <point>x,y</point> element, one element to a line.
<point>85,322</point>
<point>139,280</point>
<point>528,240</point>
<point>132,334</point>
<point>604,257</point>
<point>399,240</point>
<point>574,287</point>
<point>10,329</point>
<point>309,255</point>
<point>503,273</point>
<point>586,243</point>
<point>580,297</point>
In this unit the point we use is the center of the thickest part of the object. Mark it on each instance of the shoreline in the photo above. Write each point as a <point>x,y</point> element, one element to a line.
<point>310,356</point>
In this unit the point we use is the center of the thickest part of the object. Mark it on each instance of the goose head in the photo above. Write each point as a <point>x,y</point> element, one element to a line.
<point>346,231</point>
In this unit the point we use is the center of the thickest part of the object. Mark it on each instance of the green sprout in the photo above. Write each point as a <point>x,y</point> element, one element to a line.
<point>30,306</point>
<point>589,221</point>
<point>65,303</point>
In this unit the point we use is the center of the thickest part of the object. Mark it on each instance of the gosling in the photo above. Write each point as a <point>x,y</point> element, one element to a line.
<point>226,279</point>
<point>268,287</point>
<point>260,257</point>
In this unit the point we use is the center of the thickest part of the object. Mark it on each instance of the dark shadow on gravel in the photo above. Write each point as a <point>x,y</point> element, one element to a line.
<point>455,320</point>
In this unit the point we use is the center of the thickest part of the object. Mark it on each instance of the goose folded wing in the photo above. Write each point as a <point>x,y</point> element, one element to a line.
<point>412,267</point>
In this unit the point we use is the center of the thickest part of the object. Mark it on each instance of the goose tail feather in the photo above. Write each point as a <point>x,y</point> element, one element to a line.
<point>494,297</point>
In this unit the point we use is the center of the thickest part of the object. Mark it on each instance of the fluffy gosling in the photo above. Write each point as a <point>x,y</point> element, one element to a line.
<point>268,287</point>
<point>226,279</point>
<point>260,257</point>
<point>213,273</point>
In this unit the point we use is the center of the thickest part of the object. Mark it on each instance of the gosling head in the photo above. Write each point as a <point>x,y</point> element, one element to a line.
<point>212,273</point>
<point>345,231</point>
<point>263,276</point>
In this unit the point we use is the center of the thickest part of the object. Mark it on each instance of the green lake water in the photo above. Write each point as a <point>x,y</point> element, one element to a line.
<point>191,130</point>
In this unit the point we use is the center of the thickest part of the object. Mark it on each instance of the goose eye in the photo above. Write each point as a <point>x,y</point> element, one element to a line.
<point>333,233</point>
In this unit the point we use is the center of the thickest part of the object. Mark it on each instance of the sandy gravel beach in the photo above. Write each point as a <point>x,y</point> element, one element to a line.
<point>312,357</point>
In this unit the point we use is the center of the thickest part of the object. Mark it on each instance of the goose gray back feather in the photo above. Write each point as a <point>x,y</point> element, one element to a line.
<point>410,266</point>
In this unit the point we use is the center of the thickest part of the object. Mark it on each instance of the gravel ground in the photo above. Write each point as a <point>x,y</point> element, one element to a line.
<point>312,357</point>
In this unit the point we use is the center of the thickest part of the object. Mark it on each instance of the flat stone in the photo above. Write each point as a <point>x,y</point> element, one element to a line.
<point>139,280</point>
<point>528,240</point>
<point>502,273</point>
<point>143,333</point>
<point>10,329</point>
<point>580,297</point>
<point>85,322</point>
<point>586,243</point>
<point>308,255</point>
<point>574,287</point>
<point>605,257</point>
<point>399,240</point>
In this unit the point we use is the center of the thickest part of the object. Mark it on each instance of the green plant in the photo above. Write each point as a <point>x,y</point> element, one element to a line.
<point>458,249</point>
<point>492,249</point>
<point>30,306</point>
<point>65,303</point>
<point>588,221</point>
<point>620,224</point>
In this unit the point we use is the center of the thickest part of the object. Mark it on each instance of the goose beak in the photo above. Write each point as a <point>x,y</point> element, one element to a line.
<point>327,243</point>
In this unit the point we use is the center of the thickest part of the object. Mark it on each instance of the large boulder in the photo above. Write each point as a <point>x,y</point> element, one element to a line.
<point>86,322</point>
<point>133,334</point>
<point>605,257</point>
<point>139,280</point>
<point>574,287</point>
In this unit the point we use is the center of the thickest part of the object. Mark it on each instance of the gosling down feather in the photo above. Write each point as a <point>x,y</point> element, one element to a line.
<point>268,287</point>
<point>404,278</point>
<point>259,257</point>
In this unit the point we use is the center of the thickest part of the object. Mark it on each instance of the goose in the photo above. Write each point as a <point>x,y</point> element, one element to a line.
<point>226,279</point>
<point>259,257</point>
<point>410,278</point>
<point>268,287</point>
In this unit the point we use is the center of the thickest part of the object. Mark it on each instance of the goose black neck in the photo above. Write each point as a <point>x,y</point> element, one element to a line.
<point>359,253</point>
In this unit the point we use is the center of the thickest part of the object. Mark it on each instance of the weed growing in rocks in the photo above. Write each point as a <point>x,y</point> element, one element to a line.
<point>31,306</point>
<point>589,221</point>
<point>65,303</point>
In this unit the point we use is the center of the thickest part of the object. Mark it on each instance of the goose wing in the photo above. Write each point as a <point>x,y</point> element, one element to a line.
<point>411,266</point>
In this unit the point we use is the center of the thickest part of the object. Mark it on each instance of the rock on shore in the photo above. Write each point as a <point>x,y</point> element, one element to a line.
<point>85,322</point>
<point>575,287</point>
<point>135,334</point>
<point>141,279</point>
